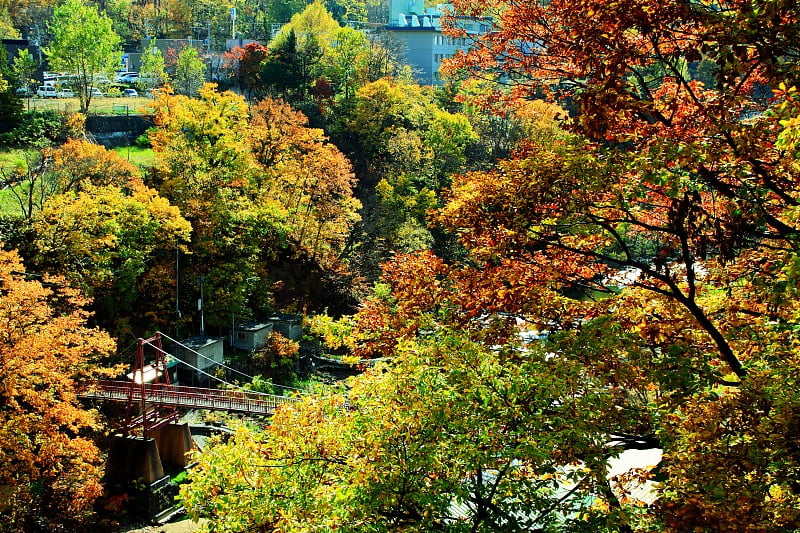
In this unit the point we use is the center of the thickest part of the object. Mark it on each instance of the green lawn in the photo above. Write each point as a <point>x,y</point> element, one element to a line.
<point>9,205</point>
<point>141,157</point>
<point>11,159</point>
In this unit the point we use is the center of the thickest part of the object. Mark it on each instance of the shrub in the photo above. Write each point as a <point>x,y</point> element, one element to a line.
<point>35,128</point>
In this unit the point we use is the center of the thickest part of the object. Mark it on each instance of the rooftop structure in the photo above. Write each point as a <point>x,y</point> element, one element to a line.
<point>420,29</point>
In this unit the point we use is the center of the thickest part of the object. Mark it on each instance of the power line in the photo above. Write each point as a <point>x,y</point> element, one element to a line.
<point>249,378</point>
<point>202,371</point>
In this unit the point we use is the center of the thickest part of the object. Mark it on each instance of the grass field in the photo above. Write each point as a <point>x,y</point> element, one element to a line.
<point>141,157</point>
<point>13,158</point>
<point>9,205</point>
<point>98,106</point>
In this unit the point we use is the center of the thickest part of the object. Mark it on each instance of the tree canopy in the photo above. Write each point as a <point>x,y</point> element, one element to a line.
<point>50,467</point>
<point>626,284</point>
<point>84,44</point>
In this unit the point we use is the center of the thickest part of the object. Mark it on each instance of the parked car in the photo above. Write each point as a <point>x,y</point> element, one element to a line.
<point>96,93</point>
<point>24,91</point>
<point>65,93</point>
<point>46,91</point>
<point>130,93</point>
<point>127,77</point>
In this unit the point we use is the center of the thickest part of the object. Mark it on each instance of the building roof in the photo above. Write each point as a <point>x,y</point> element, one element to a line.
<point>284,317</point>
<point>252,326</point>
<point>200,342</point>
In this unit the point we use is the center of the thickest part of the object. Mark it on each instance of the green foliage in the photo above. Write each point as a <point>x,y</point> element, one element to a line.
<point>7,29</point>
<point>190,72</point>
<point>11,108</point>
<point>21,70</point>
<point>282,71</point>
<point>313,27</point>
<point>143,140</point>
<point>422,436</point>
<point>346,60</point>
<point>152,72</point>
<point>84,44</point>
<point>35,129</point>
<point>404,148</point>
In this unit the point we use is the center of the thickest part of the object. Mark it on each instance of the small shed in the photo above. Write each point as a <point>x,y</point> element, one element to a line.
<point>251,335</point>
<point>201,355</point>
<point>200,352</point>
<point>290,326</point>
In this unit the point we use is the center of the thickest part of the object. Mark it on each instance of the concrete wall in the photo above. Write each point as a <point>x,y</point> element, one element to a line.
<point>111,131</point>
<point>132,458</point>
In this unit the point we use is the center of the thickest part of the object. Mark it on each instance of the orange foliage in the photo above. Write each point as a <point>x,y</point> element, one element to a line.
<point>78,163</point>
<point>49,466</point>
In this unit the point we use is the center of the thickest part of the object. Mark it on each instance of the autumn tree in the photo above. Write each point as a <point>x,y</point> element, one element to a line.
<point>90,214</point>
<point>257,187</point>
<point>72,167</point>
<point>190,72</point>
<point>249,61</point>
<point>107,239</point>
<point>628,285</point>
<point>152,72</point>
<point>50,467</point>
<point>685,195</point>
<point>79,164</point>
<point>84,44</point>
<point>312,179</point>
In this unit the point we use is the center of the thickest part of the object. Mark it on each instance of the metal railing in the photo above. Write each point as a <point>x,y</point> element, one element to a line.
<point>188,397</point>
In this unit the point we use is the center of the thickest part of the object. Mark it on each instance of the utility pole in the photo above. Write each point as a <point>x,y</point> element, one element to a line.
<point>177,288</point>
<point>200,308</point>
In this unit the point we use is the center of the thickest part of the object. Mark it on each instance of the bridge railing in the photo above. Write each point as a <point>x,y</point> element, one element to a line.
<point>190,396</point>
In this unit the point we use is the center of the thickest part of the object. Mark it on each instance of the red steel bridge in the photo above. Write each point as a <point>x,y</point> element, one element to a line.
<point>155,404</point>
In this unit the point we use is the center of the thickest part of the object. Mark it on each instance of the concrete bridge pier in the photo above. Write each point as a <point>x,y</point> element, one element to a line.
<point>174,442</point>
<point>131,458</point>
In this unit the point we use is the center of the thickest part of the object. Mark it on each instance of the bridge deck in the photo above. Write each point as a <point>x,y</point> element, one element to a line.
<point>188,397</point>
